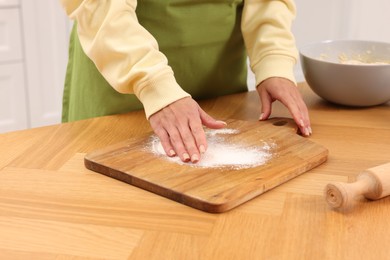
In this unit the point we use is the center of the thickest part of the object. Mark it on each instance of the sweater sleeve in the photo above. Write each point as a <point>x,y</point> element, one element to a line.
<point>266,28</point>
<point>124,52</point>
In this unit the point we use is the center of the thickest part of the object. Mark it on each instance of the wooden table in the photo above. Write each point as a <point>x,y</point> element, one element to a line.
<point>52,207</point>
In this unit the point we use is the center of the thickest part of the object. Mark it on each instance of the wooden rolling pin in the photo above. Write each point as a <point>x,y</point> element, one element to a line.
<point>373,184</point>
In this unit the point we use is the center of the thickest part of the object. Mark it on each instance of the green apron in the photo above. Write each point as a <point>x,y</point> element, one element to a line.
<point>203,43</point>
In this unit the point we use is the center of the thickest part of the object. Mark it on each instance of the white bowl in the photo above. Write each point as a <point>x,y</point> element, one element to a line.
<point>364,80</point>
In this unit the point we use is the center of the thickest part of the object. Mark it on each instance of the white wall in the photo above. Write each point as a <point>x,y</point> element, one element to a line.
<point>33,56</point>
<point>319,20</point>
<point>341,19</point>
<point>31,83</point>
<point>45,30</point>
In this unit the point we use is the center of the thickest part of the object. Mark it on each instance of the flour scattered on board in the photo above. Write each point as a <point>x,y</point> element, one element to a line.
<point>221,153</point>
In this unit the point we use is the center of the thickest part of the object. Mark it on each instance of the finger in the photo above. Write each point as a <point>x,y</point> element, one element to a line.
<point>179,144</point>
<point>168,134</point>
<point>165,142</point>
<point>298,110</point>
<point>304,111</point>
<point>305,116</point>
<point>162,134</point>
<point>199,135</point>
<point>189,141</point>
<point>266,105</point>
<point>301,114</point>
<point>209,121</point>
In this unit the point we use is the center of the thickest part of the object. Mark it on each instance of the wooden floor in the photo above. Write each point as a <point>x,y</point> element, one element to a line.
<point>52,207</point>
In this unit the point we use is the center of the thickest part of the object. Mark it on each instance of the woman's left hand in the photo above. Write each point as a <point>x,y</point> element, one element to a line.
<point>286,92</point>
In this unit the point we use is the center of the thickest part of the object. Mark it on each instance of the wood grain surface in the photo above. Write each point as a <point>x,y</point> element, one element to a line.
<point>52,207</point>
<point>213,189</point>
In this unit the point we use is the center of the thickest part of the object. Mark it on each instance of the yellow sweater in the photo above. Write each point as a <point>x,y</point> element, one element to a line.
<point>135,64</point>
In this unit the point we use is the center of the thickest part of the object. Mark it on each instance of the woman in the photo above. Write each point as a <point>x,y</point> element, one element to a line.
<point>163,54</point>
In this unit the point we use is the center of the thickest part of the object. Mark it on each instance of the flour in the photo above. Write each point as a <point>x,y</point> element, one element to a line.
<point>221,153</point>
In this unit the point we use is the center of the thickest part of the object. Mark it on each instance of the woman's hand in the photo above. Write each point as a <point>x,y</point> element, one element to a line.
<point>286,92</point>
<point>180,129</point>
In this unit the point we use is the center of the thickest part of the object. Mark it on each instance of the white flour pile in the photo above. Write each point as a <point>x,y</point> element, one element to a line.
<point>221,153</point>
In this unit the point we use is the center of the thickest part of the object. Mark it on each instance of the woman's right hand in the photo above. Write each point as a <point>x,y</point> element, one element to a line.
<point>179,127</point>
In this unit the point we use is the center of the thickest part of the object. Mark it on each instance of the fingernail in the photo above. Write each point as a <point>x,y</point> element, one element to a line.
<point>301,123</point>
<point>307,132</point>
<point>310,131</point>
<point>222,122</point>
<point>186,157</point>
<point>172,153</point>
<point>194,158</point>
<point>261,116</point>
<point>202,149</point>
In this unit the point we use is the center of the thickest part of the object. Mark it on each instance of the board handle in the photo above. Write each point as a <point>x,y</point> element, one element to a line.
<point>286,123</point>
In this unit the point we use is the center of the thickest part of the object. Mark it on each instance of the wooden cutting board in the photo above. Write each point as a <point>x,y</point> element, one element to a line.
<point>213,189</point>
